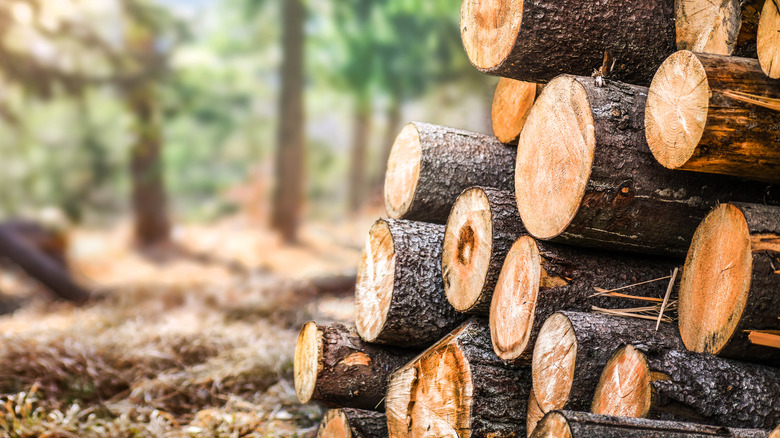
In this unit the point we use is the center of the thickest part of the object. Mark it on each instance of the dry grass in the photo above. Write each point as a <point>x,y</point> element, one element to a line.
<point>172,348</point>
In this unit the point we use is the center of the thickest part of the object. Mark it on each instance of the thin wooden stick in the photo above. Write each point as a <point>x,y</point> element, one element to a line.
<point>666,298</point>
<point>764,102</point>
<point>600,291</point>
<point>767,338</point>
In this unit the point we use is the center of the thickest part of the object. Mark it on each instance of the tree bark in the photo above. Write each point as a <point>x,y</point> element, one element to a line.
<point>429,166</point>
<point>585,175</point>
<point>458,387</point>
<point>333,365</point>
<point>352,423</point>
<point>290,143</point>
<point>539,278</point>
<point>570,424</point>
<point>573,348</point>
<point>360,138</point>
<point>721,28</point>
<point>512,101</point>
<point>400,298</point>
<point>687,386</point>
<point>716,101</point>
<point>534,40</point>
<point>40,266</point>
<point>730,283</point>
<point>483,225</point>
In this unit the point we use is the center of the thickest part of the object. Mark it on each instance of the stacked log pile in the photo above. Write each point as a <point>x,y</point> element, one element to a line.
<point>524,279</point>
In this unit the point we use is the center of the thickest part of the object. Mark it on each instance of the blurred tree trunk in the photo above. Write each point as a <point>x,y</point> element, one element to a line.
<point>361,130</point>
<point>149,201</point>
<point>288,192</point>
<point>391,132</point>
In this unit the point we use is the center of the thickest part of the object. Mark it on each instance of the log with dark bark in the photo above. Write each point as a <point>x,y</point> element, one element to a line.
<point>40,266</point>
<point>570,424</point>
<point>704,113</point>
<point>573,347</point>
<point>731,283</point>
<point>482,226</point>
<point>585,175</point>
<point>429,166</point>
<point>400,298</point>
<point>512,101</point>
<point>539,278</point>
<point>688,386</point>
<point>352,423</point>
<point>726,27</point>
<point>333,365</point>
<point>459,388</point>
<point>768,39</point>
<point>533,40</point>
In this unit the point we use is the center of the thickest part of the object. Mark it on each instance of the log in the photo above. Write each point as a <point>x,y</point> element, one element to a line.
<point>585,175</point>
<point>482,226</point>
<point>333,365</point>
<point>534,415</point>
<point>539,278</point>
<point>573,348</point>
<point>399,297</point>
<point>352,423</point>
<point>536,40</point>
<point>704,114</point>
<point>768,39</point>
<point>512,101</point>
<point>570,424</point>
<point>459,388</point>
<point>731,283</point>
<point>40,266</point>
<point>726,27</point>
<point>688,386</point>
<point>429,166</point>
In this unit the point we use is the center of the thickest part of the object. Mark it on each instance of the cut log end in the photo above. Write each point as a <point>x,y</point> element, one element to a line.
<point>534,414</point>
<point>768,39</point>
<point>512,102</point>
<point>403,171</point>
<point>513,307</point>
<point>489,29</point>
<point>677,107</point>
<point>308,356</point>
<point>624,388</point>
<point>554,158</point>
<point>553,425</point>
<point>716,280</point>
<point>707,26</point>
<point>468,242</point>
<point>335,424</point>
<point>376,276</point>
<point>431,397</point>
<point>555,354</point>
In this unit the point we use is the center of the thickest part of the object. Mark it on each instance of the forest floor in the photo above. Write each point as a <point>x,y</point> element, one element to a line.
<point>195,339</point>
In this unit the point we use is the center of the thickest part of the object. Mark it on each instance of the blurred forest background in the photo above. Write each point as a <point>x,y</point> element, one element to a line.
<point>201,108</point>
<point>206,171</point>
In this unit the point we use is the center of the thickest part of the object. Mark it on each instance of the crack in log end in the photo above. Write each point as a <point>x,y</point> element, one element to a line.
<point>554,359</point>
<point>489,29</point>
<point>624,387</point>
<point>403,172</point>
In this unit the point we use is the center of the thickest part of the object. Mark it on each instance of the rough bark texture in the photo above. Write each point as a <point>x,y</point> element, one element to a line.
<point>598,336</point>
<point>354,373</point>
<point>452,161</point>
<point>586,425</point>
<point>499,392</point>
<point>570,274</point>
<point>419,312</point>
<point>761,309</point>
<point>361,423</point>
<point>571,37</point>
<point>40,266</point>
<point>631,202</point>
<point>290,141</point>
<point>507,227</point>
<point>710,389</point>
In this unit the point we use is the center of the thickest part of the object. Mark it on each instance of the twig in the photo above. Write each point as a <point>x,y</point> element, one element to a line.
<point>762,101</point>
<point>666,298</point>
<point>600,291</point>
<point>622,312</point>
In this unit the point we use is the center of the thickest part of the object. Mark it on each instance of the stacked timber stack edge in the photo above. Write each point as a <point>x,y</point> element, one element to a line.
<point>606,264</point>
